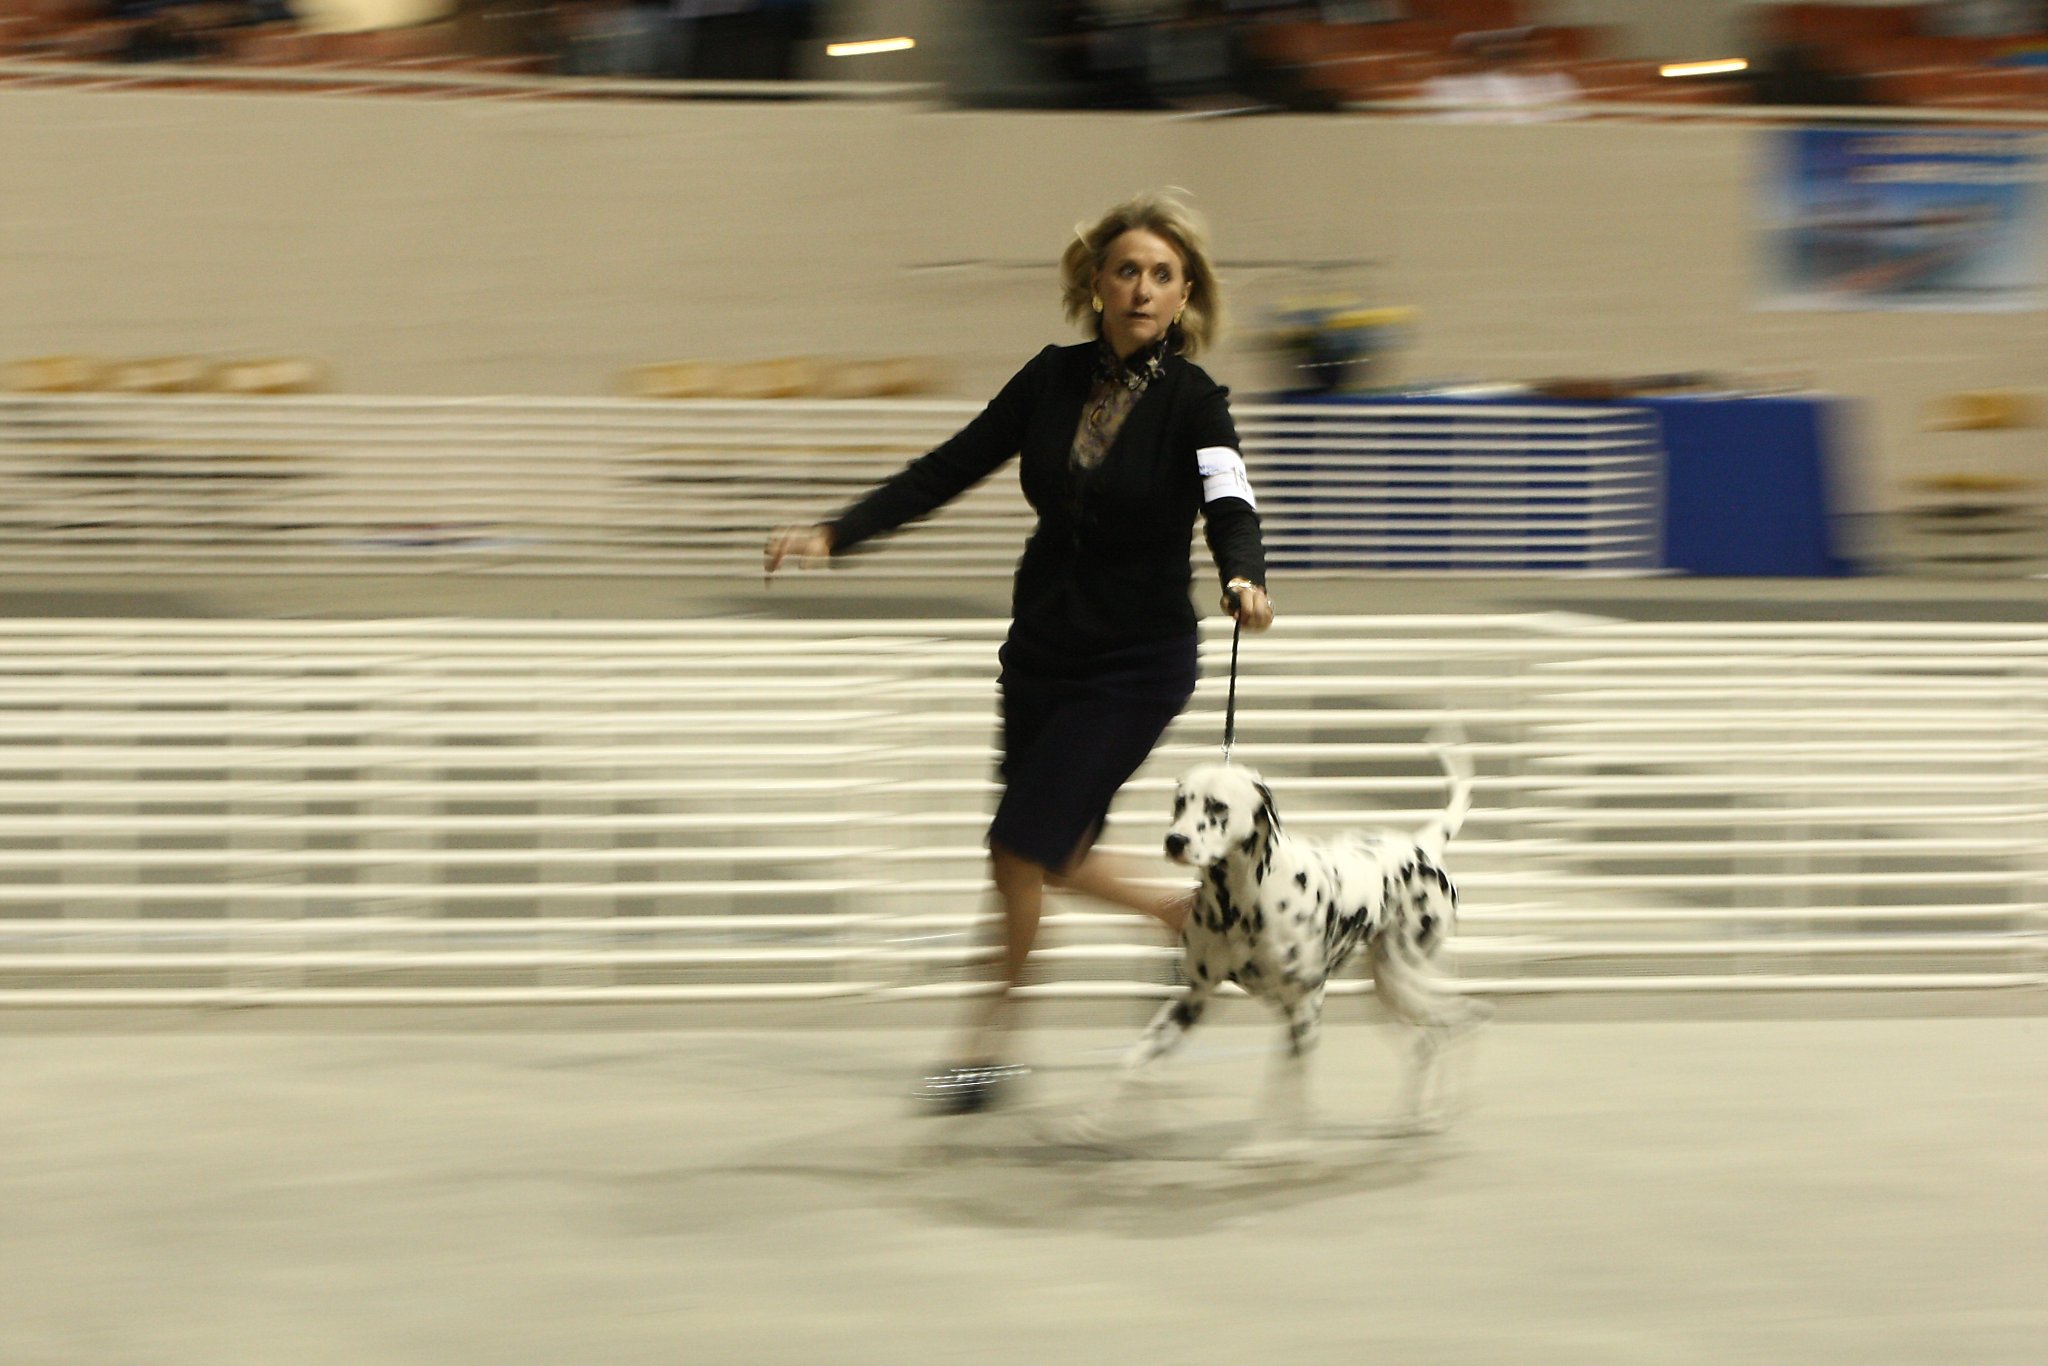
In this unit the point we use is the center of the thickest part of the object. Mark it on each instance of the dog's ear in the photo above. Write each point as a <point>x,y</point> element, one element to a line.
<point>1267,812</point>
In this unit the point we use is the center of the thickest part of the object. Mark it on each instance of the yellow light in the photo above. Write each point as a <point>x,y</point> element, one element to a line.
<point>1715,68</point>
<point>862,49</point>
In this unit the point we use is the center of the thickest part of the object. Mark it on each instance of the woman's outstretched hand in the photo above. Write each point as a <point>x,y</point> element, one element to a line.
<point>810,545</point>
<point>1249,604</point>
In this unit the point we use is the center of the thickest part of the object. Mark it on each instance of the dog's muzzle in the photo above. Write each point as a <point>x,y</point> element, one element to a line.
<point>1177,847</point>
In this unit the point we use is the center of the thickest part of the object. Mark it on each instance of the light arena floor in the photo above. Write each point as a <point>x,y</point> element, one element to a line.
<point>1674,1186</point>
<point>509,1187</point>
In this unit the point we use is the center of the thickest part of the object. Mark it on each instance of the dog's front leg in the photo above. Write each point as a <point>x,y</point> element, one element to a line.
<point>1166,1032</point>
<point>1280,1132</point>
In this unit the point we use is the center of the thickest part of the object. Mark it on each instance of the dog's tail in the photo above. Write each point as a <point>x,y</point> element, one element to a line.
<point>1448,740</point>
<point>1405,954</point>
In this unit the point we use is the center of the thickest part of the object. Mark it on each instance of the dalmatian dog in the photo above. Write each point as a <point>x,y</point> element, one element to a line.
<point>1279,915</point>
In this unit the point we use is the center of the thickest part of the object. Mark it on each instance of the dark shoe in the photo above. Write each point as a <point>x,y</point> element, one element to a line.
<point>965,1090</point>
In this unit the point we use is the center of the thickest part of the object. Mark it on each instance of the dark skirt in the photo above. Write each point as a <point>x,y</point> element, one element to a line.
<point>1073,732</point>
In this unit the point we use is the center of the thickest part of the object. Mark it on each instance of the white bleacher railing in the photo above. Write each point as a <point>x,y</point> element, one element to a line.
<point>182,484</point>
<point>476,811</point>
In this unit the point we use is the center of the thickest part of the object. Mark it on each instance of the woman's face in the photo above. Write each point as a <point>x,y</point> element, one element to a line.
<point>1142,284</point>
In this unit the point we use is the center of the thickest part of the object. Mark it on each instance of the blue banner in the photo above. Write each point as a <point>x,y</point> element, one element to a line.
<point>1947,219</point>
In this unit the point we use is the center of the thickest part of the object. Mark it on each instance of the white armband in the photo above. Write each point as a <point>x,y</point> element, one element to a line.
<point>1223,476</point>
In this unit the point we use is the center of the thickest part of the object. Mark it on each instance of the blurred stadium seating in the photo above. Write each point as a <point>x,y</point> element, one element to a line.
<point>164,375</point>
<point>1889,54</point>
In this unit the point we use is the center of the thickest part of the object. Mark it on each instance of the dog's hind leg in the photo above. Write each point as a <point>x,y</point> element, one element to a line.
<point>1419,1089</point>
<point>1413,992</point>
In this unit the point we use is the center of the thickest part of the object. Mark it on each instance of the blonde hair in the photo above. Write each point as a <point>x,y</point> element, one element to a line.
<point>1154,211</point>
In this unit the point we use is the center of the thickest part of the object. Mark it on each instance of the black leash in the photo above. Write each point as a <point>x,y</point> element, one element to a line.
<point>1230,707</point>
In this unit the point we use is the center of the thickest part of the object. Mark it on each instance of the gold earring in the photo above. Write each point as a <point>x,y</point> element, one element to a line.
<point>1098,303</point>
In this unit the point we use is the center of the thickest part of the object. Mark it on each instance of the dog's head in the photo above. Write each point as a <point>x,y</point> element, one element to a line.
<point>1220,812</point>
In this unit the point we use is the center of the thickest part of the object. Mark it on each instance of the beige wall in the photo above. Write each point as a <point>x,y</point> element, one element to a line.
<point>480,247</point>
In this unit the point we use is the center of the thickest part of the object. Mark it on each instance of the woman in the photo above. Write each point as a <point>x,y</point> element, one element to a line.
<point>1121,442</point>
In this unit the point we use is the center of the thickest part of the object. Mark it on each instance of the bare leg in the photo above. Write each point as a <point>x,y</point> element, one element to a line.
<point>1020,887</point>
<point>1113,880</point>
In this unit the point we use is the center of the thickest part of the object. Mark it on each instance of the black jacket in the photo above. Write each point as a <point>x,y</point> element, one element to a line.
<point>1107,566</point>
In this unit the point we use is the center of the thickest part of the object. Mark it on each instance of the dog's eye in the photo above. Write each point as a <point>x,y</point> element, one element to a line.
<point>1214,809</point>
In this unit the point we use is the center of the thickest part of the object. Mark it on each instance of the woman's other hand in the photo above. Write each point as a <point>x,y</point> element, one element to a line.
<point>810,545</point>
<point>1249,604</point>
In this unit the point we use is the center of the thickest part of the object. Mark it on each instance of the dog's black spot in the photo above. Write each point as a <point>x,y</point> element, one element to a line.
<point>1293,953</point>
<point>1245,845</point>
<point>1182,1014</point>
<point>1301,879</point>
<point>1428,924</point>
<point>1216,874</point>
<point>1214,809</point>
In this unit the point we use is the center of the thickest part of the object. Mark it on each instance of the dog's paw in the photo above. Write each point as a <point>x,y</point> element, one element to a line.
<point>1085,1137</point>
<point>1417,1124</point>
<point>1089,1129</point>
<point>1271,1152</point>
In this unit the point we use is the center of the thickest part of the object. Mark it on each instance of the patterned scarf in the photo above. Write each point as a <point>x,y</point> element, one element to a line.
<point>1118,387</point>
